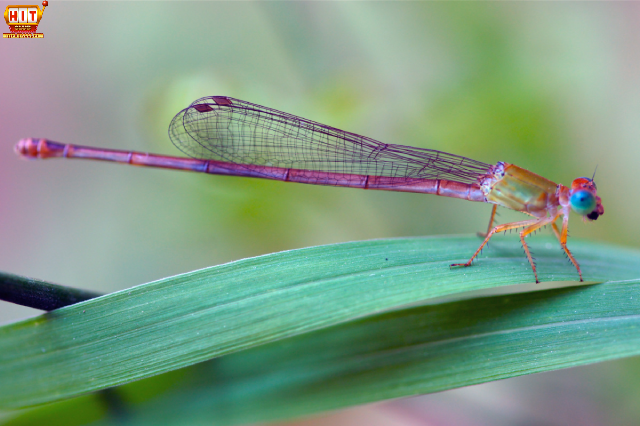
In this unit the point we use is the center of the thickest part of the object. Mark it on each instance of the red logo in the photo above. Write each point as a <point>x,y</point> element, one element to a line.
<point>23,20</point>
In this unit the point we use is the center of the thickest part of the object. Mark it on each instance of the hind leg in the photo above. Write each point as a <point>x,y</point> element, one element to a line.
<point>499,228</point>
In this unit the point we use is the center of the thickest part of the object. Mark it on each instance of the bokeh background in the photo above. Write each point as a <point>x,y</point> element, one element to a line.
<point>552,87</point>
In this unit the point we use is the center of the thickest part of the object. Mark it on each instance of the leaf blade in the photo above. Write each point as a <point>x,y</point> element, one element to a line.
<point>408,352</point>
<point>183,320</point>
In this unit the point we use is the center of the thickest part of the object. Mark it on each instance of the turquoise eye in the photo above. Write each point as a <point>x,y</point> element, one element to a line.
<point>583,202</point>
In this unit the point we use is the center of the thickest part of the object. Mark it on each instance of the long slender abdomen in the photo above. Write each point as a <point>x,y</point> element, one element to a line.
<point>43,148</point>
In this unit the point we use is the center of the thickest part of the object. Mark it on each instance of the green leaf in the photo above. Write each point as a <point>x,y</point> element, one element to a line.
<point>186,319</point>
<point>408,352</point>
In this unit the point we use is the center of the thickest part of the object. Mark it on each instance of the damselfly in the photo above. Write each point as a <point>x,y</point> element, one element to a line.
<point>227,136</point>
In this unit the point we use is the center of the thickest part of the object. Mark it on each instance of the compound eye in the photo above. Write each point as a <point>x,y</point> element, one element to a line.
<point>583,202</point>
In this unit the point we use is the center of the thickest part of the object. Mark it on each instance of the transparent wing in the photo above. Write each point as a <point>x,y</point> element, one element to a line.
<point>230,130</point>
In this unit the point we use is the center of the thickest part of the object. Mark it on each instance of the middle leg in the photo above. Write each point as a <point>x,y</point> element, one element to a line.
<point>493,215</point>
<point>562,237</point>
<point>539,223</point>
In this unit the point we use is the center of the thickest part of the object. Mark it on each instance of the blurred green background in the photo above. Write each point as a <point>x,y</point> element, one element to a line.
<point>552,87</point>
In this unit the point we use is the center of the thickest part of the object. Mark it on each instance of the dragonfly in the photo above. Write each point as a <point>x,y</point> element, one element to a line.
<point>222,135</point>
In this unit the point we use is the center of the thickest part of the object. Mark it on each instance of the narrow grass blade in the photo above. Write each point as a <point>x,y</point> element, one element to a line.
<point>190,318</point>
<point>401,353</point>
<point>409,352</point>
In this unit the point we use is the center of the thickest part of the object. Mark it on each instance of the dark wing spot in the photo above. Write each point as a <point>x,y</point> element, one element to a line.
<point>221,100</point>
<point>203,108</point>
